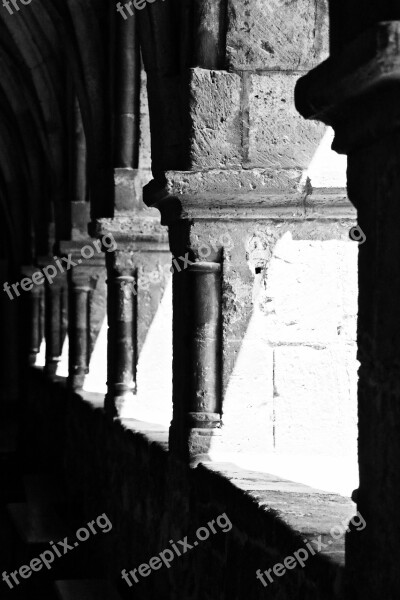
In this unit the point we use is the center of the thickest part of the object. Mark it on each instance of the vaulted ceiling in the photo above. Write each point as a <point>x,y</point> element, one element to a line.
<point>50,51</point>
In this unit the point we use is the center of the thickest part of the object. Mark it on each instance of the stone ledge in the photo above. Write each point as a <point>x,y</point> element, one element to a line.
<point>144,231</point>
<point>306,511</point>
<point>243,195</point>
<point>152,432</point>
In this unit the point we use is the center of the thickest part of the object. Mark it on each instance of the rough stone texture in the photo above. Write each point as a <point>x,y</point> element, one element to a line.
<point>277,35</point>
<point>278,136</point>
<point>215,136</point>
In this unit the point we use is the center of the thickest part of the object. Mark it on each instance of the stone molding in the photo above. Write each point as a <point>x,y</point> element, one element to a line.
<point>244,195</point>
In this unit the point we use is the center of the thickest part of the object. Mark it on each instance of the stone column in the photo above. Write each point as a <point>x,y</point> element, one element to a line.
<point>55,322</point>
<point>79,331</point>
<point>122,337</point>
<point>204,352</point>
<point>357,92</point>
<point>87,269</point>
<point>136,281</point>
<point>244,179</point>
<point>36,333</point>
<point>34,305</point>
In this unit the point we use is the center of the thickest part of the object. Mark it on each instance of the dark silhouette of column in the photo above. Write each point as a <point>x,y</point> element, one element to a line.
<point>79,329</point>
<point>55,322</point>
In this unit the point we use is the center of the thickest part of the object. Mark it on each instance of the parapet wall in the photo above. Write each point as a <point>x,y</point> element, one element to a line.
<point>125,470</point>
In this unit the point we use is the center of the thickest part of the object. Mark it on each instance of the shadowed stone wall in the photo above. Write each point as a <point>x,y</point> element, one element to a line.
<point>152,498</point>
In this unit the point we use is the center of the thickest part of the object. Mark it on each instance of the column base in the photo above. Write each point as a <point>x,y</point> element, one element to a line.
<point>120,403</point>
<point>195,443</point>
<point>76,380</point>
<point>51,366</point>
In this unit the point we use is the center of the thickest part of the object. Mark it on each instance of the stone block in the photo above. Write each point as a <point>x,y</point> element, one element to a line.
<point>215,136</point>
<point>278,136</point>
<point>276,34</point>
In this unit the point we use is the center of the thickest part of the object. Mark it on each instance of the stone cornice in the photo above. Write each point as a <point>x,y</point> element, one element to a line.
<point>74,248</point>
<point>244,195</point>
<point>356,91</point>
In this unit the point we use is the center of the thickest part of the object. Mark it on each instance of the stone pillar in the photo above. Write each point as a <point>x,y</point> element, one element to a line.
<point>36,333</point>
<point>79,331</point>
<point>136,281</point>
<point>34,321</point>
<point>122,338</point>
<point>204,352</point>
<point>86,263</point>
<point>244,179</point>
<point>55,322</point>
<point>357,92</point>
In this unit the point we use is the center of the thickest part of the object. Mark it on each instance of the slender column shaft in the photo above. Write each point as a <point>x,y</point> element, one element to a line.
<point>78,331</point>
<point>197,358</point>
<point>121,380</point>
<point>36,332</point>
<point>78,157</point>
<point>54,326</point>
<point>126,94</point>
<point>204,289</point>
